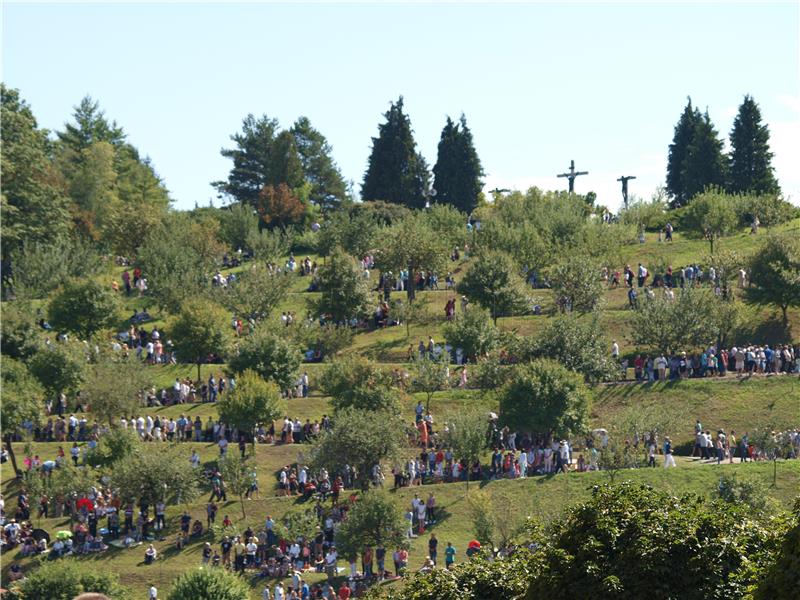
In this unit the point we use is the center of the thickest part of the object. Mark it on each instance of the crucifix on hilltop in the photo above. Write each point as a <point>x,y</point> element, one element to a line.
<point>572,175</point>
<point>624,179</point>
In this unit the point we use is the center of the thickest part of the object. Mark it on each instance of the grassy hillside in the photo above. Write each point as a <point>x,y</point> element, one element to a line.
<point>542,497</point>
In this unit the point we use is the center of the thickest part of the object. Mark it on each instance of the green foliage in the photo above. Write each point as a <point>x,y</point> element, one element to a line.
<point>209,584</point>
<point>770,209</point>
<point>782,578</point>
<point>545,397</point>
<point>466,435</point>
<point>576,284</point>
<point>237,223</point>
<point>748,491</point>
<point>22,401</point>
<point>300,523</point>
<point>579,344</point>
<point>627,539</point>
<point>116,445</point>
<point>712,213</point>
<point>268,246</point>
<point>678,153</point>
<point>20,335</point>
<point>199,329</point>
<point>775,273</point>
<point>331,339</point>
<point>257,292</point>
<point>355,382</point>
<point>270,355</point>
<point>113,385</point>
<point>429,375</point>
<point>59,367</point>
<point>750,158</point>
<point>396,172</point>
<point>505,579</point>
<point>40,268</point>
<point>32,207</point>
<point>354,231</point>
<point>458,171</point>
<point>448,222</point>
<point>373,520</point>
<point>66,579</point>
<point>412,244</point>
<point>83,307</point>
<point>410,314</point>
<point>328,189</point>
<point>473,332</point>
<point>705,164</point>
<point>266,156</point>
<point>359,438</point>
<point>692,319</point>
<point>649,215</point>
<point>155,473</point>
<point>344,292</point>
<point>251,402</point>
<point>237,473</point>
<point>493,281</point>
<point>179,257</point>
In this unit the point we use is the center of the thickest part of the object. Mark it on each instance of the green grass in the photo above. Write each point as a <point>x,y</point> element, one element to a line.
<point>542,497</point>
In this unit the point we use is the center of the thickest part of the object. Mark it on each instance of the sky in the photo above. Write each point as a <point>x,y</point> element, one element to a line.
<point>540,83</point>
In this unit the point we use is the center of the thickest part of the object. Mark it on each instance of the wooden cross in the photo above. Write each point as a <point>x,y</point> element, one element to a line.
<point>572,175</point>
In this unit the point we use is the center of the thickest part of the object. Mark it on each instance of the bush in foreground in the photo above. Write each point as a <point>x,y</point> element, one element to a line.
<point>209,584</point>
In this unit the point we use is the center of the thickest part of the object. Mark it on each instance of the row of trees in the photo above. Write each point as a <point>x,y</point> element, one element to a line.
<point>697,159</point>
<point>88,178</point>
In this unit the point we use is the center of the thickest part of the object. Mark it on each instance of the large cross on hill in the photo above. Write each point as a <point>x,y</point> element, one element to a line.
<point>572,175</point>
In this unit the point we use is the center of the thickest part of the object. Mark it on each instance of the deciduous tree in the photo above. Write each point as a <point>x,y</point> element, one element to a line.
<point>493,281</point>
<point>374,520</point>
<point>344,292</point>
<point>200,329</point>
<point>251,403</point>
<point>775,273</point>
<point>83,307</point>
<point>545,397</point>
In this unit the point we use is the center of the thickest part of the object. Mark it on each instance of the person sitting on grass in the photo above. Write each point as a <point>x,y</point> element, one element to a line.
<point>150,555</point>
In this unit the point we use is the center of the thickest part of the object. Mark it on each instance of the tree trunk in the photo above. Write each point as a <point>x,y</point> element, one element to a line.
<point>11,455</point>
<point>241,500</point>
<point>198,370</point>
<point>785,316</point>
<point>412,284</point>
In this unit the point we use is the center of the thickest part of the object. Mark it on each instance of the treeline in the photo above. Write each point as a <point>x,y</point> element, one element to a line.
<point>697,159</point>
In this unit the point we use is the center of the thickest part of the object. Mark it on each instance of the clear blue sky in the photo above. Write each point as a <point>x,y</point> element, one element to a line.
<point>540,84</point>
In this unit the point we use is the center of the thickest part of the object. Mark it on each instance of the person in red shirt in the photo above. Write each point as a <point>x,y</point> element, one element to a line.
<point>344,591</point>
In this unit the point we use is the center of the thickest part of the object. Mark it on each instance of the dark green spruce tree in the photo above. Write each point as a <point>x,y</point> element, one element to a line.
<point>678,150</point>
<point>750,158</point>
<point>705,165</point>
<point>285,165</point>
<point>396,172</point>
<point>328,188</point>
<point>457,173</point>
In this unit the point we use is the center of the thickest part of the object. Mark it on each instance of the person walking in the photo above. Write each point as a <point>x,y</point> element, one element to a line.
<point>669,460</point>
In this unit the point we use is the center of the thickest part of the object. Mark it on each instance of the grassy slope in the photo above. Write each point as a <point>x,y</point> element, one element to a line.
<point>543,497</point>
<point>730,403</point>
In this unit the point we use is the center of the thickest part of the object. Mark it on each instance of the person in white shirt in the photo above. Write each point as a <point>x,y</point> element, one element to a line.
<point>265,595</point>
<point>153,593</point>
<point>615,350</point>
<point>279,595</point>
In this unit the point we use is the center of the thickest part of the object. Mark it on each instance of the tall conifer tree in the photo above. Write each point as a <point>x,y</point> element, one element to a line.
<point>705,164</point>
<point>750,158</point>
<point>678,149</point>
<point>327,184</point>
<point>458,169</point>
<point>396,172</point>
